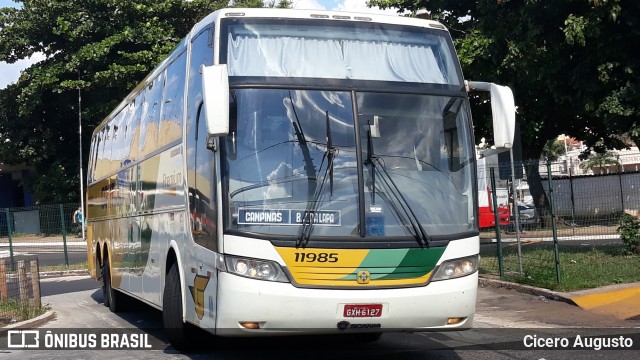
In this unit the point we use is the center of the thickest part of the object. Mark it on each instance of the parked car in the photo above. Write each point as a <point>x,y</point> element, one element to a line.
<point>528,218</point>
<point>527,212</point>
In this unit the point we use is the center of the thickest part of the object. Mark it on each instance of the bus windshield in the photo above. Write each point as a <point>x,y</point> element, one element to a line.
<point>338,50</point>
<point>292,163</point>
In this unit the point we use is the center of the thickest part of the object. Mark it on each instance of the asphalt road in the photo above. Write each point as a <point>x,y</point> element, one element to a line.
<point>49,255</point>
<point>504,318</point>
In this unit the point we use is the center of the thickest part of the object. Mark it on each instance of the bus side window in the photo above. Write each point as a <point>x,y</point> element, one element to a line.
<point>450,134</point>
<point>105,153</point>
<point>92,161</point>
<point>172,101</point>
<point>151,116</point>
<point>136,124</point>
<point>117,130</point>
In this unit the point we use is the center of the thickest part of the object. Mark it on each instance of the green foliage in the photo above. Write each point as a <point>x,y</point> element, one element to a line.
<point>629,230</point>
<point>550,54</point>
<point>247,3</point>
<point>569,63</point>
<point>553,149</point>
<point>281,4</point>
<point>102,47</point>
<point>600,160</point>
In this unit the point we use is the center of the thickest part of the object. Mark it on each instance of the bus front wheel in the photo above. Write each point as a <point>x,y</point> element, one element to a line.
<point>179,332</point>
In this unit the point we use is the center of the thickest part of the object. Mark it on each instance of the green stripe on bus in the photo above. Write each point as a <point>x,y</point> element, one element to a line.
<point>425,258</point>
<point>389,264</point>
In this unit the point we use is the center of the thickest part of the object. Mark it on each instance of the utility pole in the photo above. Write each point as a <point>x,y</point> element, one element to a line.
<point>84,213</point>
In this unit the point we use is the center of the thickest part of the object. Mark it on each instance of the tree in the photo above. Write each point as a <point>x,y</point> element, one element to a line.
<point>600,160</point>
<point>553,150</point>
<point>568,63</point>
<point>102,47</point>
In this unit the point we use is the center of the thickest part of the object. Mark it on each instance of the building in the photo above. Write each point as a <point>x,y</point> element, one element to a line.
<point>14,192</point>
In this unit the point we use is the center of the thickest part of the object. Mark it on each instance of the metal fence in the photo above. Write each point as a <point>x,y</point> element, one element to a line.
<point>19,289</point>
<point>571,241</point>
<point>47,231</point>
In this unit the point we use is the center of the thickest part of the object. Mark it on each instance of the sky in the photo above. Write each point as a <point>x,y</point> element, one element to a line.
<point>9,73</point>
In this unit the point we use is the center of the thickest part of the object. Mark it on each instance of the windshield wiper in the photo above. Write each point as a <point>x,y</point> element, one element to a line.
<point>373,166</point>
<point>312,207</point>
<point>331,152</point>
<point>421,234</point>
<point>309,168</point>
<point>377,166</point>
<point>304,146</point>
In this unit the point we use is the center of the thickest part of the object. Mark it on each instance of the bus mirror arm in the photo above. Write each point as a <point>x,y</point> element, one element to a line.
<point>211,143</point>
<point>215,95</point>
<point>231,145</point>
<point>503,111</point>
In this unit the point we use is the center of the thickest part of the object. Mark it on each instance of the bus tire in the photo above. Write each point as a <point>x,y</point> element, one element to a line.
<point>116,300</point>
<point>103,284</point>
<point>179,332</point>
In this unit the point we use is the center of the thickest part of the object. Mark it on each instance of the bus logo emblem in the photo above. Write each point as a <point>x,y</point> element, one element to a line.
<point>363,277</point>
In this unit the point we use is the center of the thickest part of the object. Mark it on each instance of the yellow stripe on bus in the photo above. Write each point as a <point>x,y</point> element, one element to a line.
<point>304,280</point>
<point>333,267</point>
<point>323,257</point>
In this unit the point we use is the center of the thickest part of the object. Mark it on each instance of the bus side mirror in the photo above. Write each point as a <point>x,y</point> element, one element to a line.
<point>215,95</point>
<point>503,111</point>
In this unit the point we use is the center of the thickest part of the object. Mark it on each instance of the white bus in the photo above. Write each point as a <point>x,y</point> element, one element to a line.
<point>289,171</point>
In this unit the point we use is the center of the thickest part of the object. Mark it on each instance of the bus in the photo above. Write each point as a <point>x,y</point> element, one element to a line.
<point>294,172</point>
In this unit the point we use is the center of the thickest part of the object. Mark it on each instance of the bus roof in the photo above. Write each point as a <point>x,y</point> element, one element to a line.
<point>312,14</point>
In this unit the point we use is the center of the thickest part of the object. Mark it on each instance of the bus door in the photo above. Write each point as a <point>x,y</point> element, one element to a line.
<point>198,259</point>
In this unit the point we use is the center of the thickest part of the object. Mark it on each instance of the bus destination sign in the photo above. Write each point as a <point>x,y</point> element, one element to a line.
<point>288,217</point>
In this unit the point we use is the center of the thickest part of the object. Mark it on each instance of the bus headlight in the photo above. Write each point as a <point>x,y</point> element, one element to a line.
<point>456,268</point>
<point>255,268</point>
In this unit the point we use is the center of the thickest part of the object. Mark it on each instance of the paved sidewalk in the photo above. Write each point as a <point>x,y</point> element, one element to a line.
<point>621,301</point>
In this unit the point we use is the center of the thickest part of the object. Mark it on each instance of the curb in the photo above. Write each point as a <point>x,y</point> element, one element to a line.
<point>551,295</point>
<point>50,274</point>
<point>31,323</point>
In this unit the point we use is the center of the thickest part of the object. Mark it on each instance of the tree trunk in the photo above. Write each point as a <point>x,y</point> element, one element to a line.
<point>532,150</point>
<point>635,139</point>
<point>540,200</point>
<point>535,185</point>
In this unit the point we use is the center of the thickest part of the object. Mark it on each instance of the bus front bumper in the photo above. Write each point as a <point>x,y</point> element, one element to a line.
<point>281,308</point>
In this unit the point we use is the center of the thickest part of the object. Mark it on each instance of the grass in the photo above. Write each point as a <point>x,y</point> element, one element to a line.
<point>581,267</point>
<point>12,310</point>
<point>62,267</point>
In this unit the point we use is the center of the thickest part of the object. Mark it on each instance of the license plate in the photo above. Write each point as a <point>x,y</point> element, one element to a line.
<point>363,310</point>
